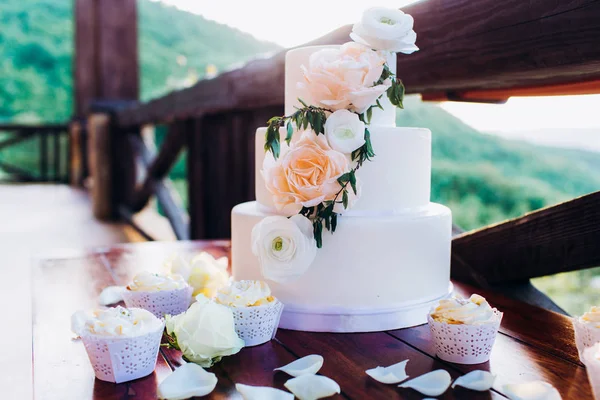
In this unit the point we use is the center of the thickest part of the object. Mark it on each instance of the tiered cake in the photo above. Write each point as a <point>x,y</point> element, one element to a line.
<point>388,261</point>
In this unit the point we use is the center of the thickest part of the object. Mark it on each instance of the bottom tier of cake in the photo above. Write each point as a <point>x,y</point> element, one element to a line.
<point>377,272</point>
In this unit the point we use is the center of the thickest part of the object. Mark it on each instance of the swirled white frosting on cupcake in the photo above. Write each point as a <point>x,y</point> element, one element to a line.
<point>118,321</point>
<point>472,311</point>
<point>245,294</point>
<point>591,317</point>
<point>149,282</point>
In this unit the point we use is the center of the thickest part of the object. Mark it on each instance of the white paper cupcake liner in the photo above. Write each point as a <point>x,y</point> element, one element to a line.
<point>586,335</point>
<point>257,325</point>
<point>160,303</point>
<point>462,343</point>
<point>122,359</point>
<point>592,365</point>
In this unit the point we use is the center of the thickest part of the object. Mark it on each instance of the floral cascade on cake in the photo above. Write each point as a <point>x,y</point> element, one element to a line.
<point>315,176</point>
<point>343,225</point>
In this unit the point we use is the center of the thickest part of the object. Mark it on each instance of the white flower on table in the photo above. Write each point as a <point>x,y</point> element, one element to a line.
<point>386,29</point>
<point>205,332</point>
<point>204,273</point>
<point>345,77</point>
<point>285,246</point>
<point>345,131</point>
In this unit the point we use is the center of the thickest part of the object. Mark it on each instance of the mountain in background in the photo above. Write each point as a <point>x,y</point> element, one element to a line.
<point>36,51</point>
<point>576,138</point>
<point>483,178</point>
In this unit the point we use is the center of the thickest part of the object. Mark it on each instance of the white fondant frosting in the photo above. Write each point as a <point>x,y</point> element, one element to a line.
<point>398,178</point>
<point>371,264</point>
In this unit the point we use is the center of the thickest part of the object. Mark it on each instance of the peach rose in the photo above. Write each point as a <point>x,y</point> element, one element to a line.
<point>344,78</point>
<point>305,174</point>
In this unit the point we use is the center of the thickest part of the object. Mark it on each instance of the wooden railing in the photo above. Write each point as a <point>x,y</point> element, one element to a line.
<point>34,153</point>
<point>470,50</point>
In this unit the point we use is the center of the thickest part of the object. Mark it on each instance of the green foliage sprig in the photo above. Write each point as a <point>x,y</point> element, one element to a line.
<point>304,117</point>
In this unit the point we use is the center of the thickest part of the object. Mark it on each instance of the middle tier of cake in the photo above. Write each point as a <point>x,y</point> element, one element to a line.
<point>398,177</point>
<point>377,272</point>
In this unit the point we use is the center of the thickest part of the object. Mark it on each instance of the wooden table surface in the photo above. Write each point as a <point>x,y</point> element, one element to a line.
<point>534,344</point>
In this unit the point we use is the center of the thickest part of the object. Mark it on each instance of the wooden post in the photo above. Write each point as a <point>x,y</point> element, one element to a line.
<point>76,166</point>
<point>99,148</point>
<point>106,53</point>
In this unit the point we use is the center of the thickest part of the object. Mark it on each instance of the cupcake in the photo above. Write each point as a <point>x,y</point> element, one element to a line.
<point>587,330</point>
<point>591,359</point>
<point>122,344</point>
<point>159,294</point>
<point>464,330</point>
<point>255,311</point>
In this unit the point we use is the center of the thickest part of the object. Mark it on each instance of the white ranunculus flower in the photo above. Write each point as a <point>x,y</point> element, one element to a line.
<point>345,131</point>
<point>205,332</point>
<point>285,246</point>
<point>386,29</point>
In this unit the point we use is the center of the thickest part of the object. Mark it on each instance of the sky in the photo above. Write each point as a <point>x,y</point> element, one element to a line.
<point>291,23</point>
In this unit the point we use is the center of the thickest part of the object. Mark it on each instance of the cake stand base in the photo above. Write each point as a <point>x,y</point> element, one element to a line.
<point>361,320</point>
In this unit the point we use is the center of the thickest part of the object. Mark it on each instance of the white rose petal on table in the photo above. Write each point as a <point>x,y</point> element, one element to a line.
<point>111,295</point>
<point>536,390</point>
<point>312,387</point>
<point>433,383</point>
<point>308,365</point>
<point>262,393</point>
<point>345,131</point>
<point>205,332</point>
<point>189,380</point>
<point>386,29</point>
<point>285,247</point>
<point>393,374</point>
<point>476,380</point>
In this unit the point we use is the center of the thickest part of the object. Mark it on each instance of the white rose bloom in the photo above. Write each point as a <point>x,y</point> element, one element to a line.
<point>285,246</point>
<point>205,332</point>
<point>386,29</point>
<point>345,131</point>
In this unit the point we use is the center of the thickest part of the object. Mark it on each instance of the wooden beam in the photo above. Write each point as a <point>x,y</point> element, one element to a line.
<point>465,46</point>
<point>196,161</point>
<point>486,44</point>
<point>556,239</point>
<point>160,165</point>
<point>164,192</point>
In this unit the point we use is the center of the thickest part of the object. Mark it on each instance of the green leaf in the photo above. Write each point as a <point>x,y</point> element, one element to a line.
<point>378,104</point>
<point>369,114</point>
<point>345,198</point>
<point>344,178</point>
<point>290,132</point>
<point>353,181</point>
<point>318,233</point>
<point>333,222</point>
<point>302,102</point>
<point>401,91</point>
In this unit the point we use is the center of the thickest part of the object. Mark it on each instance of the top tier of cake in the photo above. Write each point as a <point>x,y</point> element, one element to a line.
<point>295,58</point>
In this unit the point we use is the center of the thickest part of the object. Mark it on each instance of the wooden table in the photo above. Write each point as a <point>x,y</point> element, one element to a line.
<point>534,344</point>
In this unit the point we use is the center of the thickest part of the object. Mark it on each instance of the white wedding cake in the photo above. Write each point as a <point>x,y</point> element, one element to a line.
<point>342,227</point>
